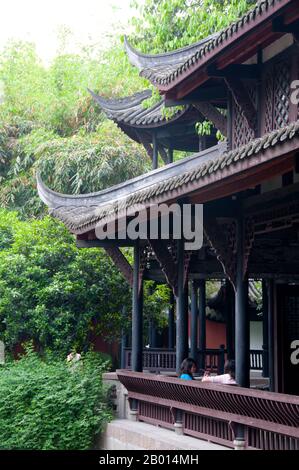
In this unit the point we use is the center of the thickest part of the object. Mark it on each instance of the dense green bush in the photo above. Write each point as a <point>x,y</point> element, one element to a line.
<point>52,405</point>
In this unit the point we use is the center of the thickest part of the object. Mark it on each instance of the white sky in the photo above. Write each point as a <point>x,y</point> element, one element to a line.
<point>39,21</point>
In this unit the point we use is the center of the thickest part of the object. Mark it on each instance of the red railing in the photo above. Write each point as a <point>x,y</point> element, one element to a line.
<point>158,360</point>
<point>213,412</point>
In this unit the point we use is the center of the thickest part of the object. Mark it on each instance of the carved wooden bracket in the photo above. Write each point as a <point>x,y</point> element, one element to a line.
<point>223,246</point>
<point>121,263</point>
<point>142,267</point>
<point>166,261</point>
<point>187,259</point>
<point>163,153</point>
<point>212,114</point>
<point>248,242</point>
<point>243,99</point>
<point>149,149</point>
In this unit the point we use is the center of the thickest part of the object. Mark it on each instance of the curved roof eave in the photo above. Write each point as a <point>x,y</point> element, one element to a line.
<point>143,61</point>
<point>129,111</point>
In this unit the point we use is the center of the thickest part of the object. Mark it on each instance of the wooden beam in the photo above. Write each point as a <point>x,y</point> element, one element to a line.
<point>166,261</point>
<point>214,93</point>
<point>243,99</point>
<point>96,243</point>
<point>121,263</point>
<point>279,26</point>
<point>212,114</point>
<point>235,70</point>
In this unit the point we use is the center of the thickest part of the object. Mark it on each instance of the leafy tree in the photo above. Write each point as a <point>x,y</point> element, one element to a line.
<point>165,25</point>
<point>52,292</point>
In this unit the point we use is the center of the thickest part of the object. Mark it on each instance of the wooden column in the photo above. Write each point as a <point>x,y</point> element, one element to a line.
<point>265,331</point>
<point>229,306</point>
<point>155,151</point>
<point>194,320</point>
<point>137,306</point>
<point>182,311</point>
<point>271,334</point>
<point>171,323</point>
<point>202,322</point>
<point>241,313</point>
<point>123,343</point>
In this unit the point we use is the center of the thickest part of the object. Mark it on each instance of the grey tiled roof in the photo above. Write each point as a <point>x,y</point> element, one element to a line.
<point>84,217</point>
<point>160,70</point>
<point>130,111</point>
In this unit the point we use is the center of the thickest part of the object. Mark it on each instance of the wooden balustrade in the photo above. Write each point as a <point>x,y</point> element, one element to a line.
<point>159,360</point>
<point>213,412</point>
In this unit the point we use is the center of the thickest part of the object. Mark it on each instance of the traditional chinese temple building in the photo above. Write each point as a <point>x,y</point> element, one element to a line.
<point>242,80</point>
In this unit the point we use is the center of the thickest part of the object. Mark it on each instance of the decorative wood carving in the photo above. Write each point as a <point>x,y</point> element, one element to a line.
<point>142,266</point>
<point>223,242</point>
<point>212,114</point>
<point>248,242</point>
<point>165,259</point>
<point>121,263</point>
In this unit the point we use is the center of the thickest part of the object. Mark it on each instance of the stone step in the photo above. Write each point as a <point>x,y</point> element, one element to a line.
<point>122,434</point>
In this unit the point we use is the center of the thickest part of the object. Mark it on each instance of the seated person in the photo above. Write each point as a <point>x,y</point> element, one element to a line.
<point>188,368</point>
<point>228,378</point>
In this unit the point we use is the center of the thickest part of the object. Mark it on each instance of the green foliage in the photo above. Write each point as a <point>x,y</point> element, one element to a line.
<point>83,163</point>
<point>91,162</point>
<point>52,292</point>
<point>166,25</point>
<point>156,304</point>
<point>51,405</point>
<point>57,97</point>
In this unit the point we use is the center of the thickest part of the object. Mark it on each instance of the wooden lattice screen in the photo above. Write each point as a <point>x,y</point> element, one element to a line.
<point>242,133</point>
<point>276,86</point>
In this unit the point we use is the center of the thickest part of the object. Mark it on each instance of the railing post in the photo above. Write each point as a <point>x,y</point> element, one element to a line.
<point>133,411</point>
<point>239,441</point>
<point>221,359</point>
<point>178,425</point>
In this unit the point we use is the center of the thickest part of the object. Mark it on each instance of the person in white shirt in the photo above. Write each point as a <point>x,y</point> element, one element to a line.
<point>228,378</point>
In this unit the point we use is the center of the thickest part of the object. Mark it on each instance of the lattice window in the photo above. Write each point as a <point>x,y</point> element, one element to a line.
<point>242,132</point>
<point>277,96</point>
<point>282,80</point>
<point>268,117</point>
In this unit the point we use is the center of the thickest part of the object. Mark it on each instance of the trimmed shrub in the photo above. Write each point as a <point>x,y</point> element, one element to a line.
<point>51,404</point>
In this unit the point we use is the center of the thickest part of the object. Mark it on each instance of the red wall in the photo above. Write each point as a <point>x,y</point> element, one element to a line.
<point>216,334</point>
